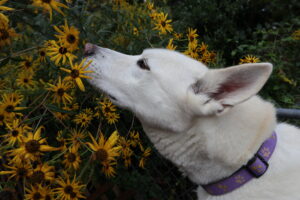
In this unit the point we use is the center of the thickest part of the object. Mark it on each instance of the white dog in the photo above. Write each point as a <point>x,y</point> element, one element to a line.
<point>208,122</point>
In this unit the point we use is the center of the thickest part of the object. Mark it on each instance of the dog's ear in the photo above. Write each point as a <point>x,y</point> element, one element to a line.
<point>233,85</point>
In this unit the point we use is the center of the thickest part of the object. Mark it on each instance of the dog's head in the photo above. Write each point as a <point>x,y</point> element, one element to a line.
<point>167,89</point>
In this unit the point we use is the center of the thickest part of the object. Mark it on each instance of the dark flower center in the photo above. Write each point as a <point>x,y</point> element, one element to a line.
<point>68,189</point>
<point>63,50</point>
<point>71,157</point>
<point>42,53</point>
<point>192,38</point>
<point>27,64</point>
<point>9,108</point>
<point>101,155</point>
<point>60,92</point>
<point>26,80</point>
<point>37,177</point>
<point>36,196</point>
<point>32,146</point>
<point>71,38</point>
<point>163,23</point>
<point>15,133</point>
<point>107,109</point>
<point>4,34</point>
<point>74,73</point>
<point>46,1</point>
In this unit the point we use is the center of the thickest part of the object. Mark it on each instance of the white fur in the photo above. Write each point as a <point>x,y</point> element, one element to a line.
<point>207,122</point>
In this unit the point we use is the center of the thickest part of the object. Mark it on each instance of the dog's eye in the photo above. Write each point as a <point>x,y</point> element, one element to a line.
<point>143,64</point>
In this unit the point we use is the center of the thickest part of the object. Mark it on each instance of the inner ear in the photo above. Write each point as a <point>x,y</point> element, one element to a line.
<point>235,84</point>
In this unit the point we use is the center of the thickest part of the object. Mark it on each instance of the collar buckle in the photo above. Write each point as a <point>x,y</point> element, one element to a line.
<point>257,166</point>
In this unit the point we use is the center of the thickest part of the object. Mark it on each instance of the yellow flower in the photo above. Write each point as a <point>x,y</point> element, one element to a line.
<point>145,155</point>
<point>177,36</point>
<point>112,118</point>
<point>46,192</point>
<point>192,35</point>
<point>59,51</point>
<point>192,50</point>
<point>107,106</point>
<point>61,116</point>
<point>73,106</point>
<point>76,137</point>
<point>3,117</point>
<point>27,64</point>
<point>171,46</point>
<point>6,34</point>
<point>134,138</point>
<point>38,192</point>
<point>105,150</point>
<point>9,105</point>
<point>69,190</point>
<point>15,132</point>
<point>296,35</point>
<point>150,6</point>
<point>48,5</point>
<point>3,18</point>
<point>42,55</point>
<point>60,92</point>
<point>124,143</point>
<point>68,35</point>
<point>127,158</point>
<point>13,97</point>
<point>208,57</point>
<point>41,174</point>
<point>18,170</point>
<point>154,15</point>
<point>135,31</point>
<point>249,59</point>
<point>83,119</point>
<point>125,150</point>
<point>72,158</point>
<point>203,48</point>
<point>25,80</point>
<point>108,169</point>
<point>162,24</point>
<point>2,8</point>
<point>33,146</point>
<point>77,72</point>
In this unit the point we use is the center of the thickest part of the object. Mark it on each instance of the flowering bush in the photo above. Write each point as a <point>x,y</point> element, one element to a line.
<point>59,138</point>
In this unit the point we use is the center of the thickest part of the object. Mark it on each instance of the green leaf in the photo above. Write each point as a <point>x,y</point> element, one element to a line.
<point>57,109</point>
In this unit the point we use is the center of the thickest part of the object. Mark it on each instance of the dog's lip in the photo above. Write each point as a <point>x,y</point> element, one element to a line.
<point>112,97</point>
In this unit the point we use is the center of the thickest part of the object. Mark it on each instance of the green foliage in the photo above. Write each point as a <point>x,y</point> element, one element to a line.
<point>232,29</point>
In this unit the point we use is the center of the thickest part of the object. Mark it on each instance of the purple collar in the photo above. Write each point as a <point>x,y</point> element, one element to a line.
<point>255,168</point>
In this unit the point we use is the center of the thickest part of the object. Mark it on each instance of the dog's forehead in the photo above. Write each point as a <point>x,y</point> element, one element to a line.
<point>166,57</point>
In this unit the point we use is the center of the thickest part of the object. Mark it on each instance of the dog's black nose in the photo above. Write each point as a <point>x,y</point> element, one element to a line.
<point>89,49</point>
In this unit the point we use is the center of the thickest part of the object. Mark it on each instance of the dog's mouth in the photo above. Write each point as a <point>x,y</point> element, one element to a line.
<point>112,97</point>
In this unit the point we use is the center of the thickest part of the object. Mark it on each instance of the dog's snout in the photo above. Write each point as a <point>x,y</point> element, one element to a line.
<point>89,49</point>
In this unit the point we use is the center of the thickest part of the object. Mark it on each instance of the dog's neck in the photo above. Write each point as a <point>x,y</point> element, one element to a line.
<point>215,147</point>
